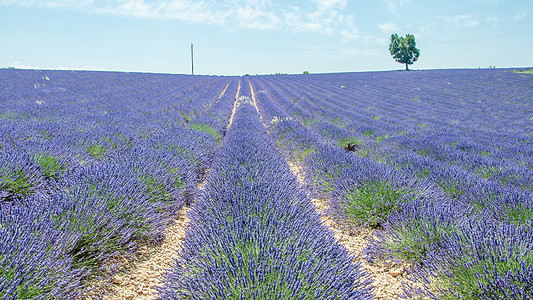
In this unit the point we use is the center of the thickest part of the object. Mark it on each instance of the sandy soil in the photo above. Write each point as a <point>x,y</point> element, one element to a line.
<point>138,277</point>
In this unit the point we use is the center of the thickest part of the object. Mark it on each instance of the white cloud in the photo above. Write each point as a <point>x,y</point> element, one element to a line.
<point>520,16</point>
<point>393,5</point>
<point>330,4</point>
<point>388,27</point>
<point>318,16</point>
<point>461,20</point>
<point>350,35</point>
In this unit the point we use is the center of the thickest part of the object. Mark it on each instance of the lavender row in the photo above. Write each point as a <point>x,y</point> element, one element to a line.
<point>500,155</point>
<point>215,121</point>
<point>80,184</point>
<point>467,186</point>
<point>460,244</point>
<point>254,233</point>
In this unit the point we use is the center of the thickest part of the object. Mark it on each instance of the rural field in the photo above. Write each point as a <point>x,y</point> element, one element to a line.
<point>371,185</point>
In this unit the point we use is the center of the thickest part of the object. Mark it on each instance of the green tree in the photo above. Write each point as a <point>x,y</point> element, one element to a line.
<point>404,50</point>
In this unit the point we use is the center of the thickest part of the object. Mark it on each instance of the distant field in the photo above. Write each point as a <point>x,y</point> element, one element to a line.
<point>438,162</point>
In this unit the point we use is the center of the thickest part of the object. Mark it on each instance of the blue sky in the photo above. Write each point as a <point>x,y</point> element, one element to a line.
<point>235,37</point>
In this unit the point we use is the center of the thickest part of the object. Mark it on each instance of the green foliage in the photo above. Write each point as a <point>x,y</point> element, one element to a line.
<point>518,214</point>
<point>8,116</point>
<point>413,241</point>
<point>369,133</point>
<point>337,121</point>
<point>51,167</point>
<point>155,189</point>
<point>463,277</point>
<point>96,151</point>
<point>272,285</point>
<point>307,122</point>
<point>486,172</point>
<point>303,153</point>
<point>185,116</point>
<point>372,202</point>
<point>381,138</point>
<point>25,290</point>
<point>306,72</point>
<point>206,128</point>
<point>450,189</point>
<point>17,183</point>
<point>100,238</point>
<point>527,71</point>
<point>404,50</point>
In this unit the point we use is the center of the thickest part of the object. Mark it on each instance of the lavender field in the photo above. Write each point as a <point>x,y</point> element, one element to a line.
<point>437,163</point>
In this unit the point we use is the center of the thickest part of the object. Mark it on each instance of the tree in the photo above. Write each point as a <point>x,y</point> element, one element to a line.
<point>404,50</point>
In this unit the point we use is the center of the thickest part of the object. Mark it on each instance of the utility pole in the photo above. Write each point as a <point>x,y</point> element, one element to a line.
<point>192,60</point>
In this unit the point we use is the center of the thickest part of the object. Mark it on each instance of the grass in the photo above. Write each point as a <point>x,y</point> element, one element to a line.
<point>487,172</point>
<point>369,133</point>
<point>206,128</point>
<point>96,151</point>
<point>17,183</point>
<point>413,241</point>
<point>307,122</point>
<point>51,167</point>
<point>372,202</point>
<point>25,290</point>
<point>381,138</point>
<point>464,279</point>
<point>518,214</point>
<point>186,117</point>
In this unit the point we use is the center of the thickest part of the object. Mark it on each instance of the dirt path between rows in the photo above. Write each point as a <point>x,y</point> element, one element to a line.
<point>388,277</point>
<point>138,277</point>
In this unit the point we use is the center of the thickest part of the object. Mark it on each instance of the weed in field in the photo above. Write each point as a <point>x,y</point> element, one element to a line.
<point>381,138</point>
<point>372,202</point>
<point>51,167</point>
<point>206,128</point>
<point>26,290</point>
<point>96,151</point>
<point>186,117</point>
<point>16,184</point>
<point>495,265</point>
<point>369,133</point>
<point>518,214</point>
<point>413,241</point>
<point>487,172</point>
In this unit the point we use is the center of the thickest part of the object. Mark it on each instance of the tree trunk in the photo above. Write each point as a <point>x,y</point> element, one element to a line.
<point>406,67</point>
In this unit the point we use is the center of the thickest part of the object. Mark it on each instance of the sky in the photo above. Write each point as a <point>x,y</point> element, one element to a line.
<point>237,37</point>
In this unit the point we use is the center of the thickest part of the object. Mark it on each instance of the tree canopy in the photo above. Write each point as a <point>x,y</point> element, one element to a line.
<point>404,50</point>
